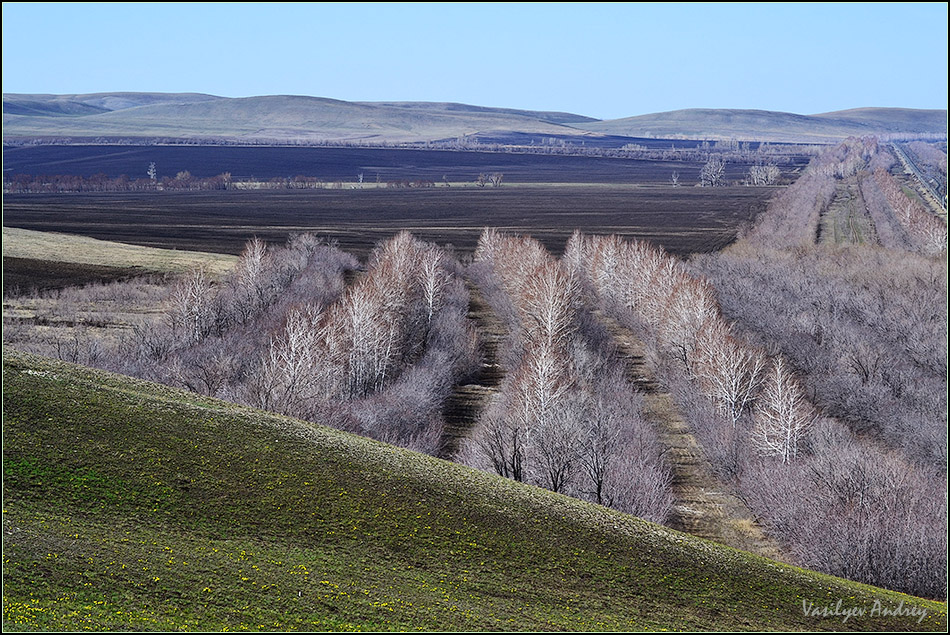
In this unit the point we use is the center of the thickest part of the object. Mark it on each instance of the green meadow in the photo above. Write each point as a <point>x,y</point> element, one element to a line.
<point>133,506</point>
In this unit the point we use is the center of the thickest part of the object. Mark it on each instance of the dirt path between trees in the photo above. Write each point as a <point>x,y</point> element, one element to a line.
<point>465,405</point>
<point>703,506</point>
<point>845,222</point>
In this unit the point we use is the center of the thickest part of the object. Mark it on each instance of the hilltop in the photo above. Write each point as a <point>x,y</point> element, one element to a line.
<point>275,117</point>
<point>132,506</point>
<point>303,119</point>
<point>702,123</point>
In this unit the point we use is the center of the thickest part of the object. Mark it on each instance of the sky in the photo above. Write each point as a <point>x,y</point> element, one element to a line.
<point>603,60</point>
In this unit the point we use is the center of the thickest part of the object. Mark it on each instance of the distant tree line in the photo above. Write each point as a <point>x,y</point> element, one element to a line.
<point>185,181</point>
<point>764,160</point>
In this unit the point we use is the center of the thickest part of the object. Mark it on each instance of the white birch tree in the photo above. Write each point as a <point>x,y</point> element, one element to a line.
<point>783,416</point>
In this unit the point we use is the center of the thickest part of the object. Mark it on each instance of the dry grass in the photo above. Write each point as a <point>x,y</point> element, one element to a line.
<point>25,243</point>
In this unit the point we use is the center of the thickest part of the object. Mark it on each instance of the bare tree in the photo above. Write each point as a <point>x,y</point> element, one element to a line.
<point>501,441</point>
<point>728,371</point>
<point>713,172</point>
<point>689,306</point>
<point>569,422</point>
<point>556,444</point>
<point>433,280</point>
<point>191,305</point>
<point>249,279</point>
<point>288,378</point>
<point>763,175</point>
<point>783,415</point>
<point>600,448</point>
<point>926,233</point>
<point>205,368</point>
<point>548,304</point>
<point>369,340</point>
<point>541,385</point>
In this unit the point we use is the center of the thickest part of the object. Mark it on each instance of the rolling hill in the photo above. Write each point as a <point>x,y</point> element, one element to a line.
<point>301,119</point>
<point>93,104</point>
<point>276,117</point>
<point>132,506</point>
<point>766,125</point>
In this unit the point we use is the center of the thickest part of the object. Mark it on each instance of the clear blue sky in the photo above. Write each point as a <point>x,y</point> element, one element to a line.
<point>602,60</point>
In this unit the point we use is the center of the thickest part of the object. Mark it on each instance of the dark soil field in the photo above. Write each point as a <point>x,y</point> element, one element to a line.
<point>25,275</point>
<point>345,164</point>
<point>682,220</point>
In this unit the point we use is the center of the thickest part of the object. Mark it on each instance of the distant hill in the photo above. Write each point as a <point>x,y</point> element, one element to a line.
<point>897,119</point>
<point>291,118</point>
<point>276,117</point>
<point>764,125</point>
<point>93,103</point>
<point>133,506</point>
<point>550,117</point>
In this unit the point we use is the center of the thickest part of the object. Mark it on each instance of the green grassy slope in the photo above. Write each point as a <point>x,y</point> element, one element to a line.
<point>131,506</point>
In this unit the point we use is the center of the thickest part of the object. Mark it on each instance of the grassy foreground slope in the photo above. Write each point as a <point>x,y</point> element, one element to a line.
<point>131,506</point>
